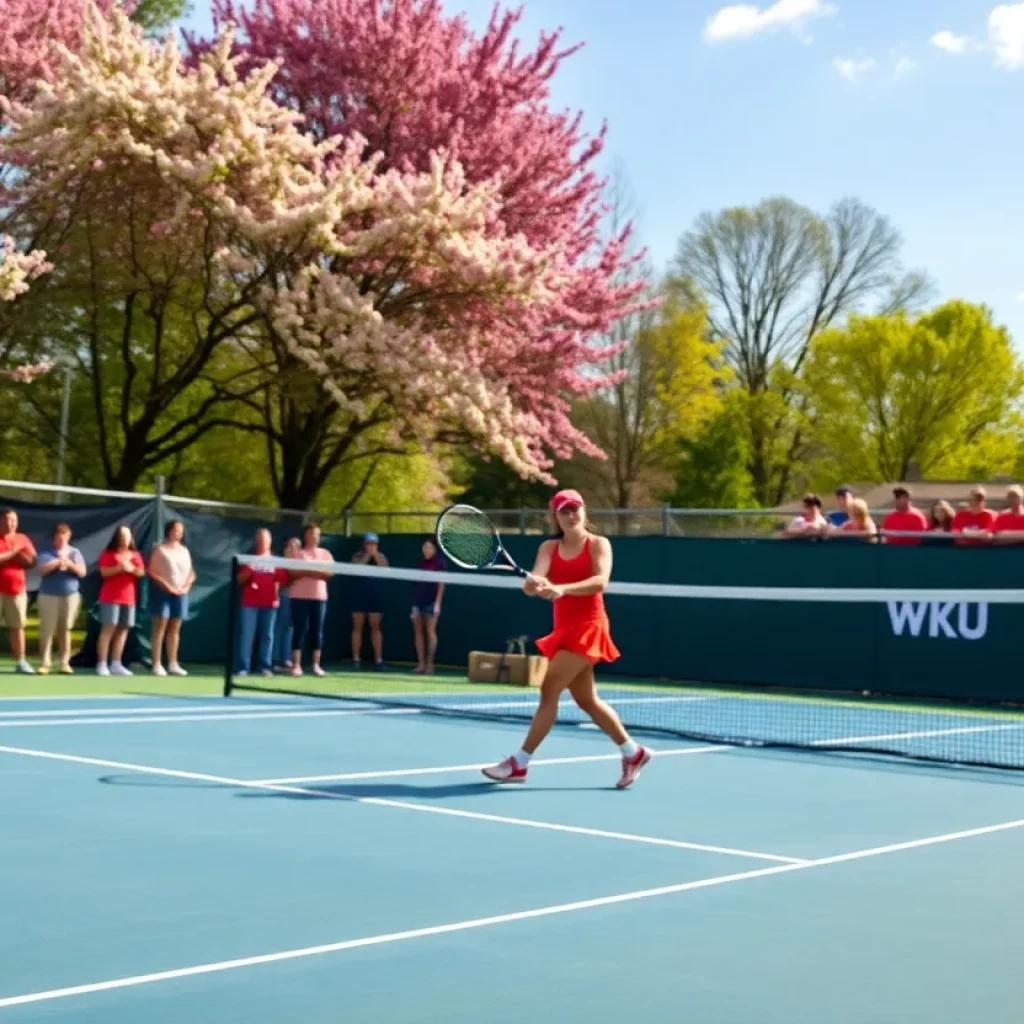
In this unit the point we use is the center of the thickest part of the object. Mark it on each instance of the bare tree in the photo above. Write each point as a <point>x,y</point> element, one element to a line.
<point>775,276</point>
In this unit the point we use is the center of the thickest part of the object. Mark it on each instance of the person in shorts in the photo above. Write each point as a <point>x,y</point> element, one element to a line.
<point>17,554</point>
<point>426,608</point>
<point>61,568</point>
<point>368,603</point>
<point>171,576</point>
<point>121,568</point>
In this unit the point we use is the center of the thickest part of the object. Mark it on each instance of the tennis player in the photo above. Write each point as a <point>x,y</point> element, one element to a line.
<point>572,571</point>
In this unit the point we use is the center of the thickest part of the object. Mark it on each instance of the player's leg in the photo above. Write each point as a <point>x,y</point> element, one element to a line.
<point>430,623</point>
<point>159,630</point>
<point>562,669</point>
<point>376,637</point>
<point>317,619</point>
<point>358,625</point>
<point>584,691</point>
<point>420,638</point>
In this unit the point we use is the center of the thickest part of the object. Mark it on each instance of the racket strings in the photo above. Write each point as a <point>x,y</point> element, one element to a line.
<point>467,537</point>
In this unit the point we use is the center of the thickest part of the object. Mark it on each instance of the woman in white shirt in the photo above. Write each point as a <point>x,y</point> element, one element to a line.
<point>811,523</point>
<point>171,575</point>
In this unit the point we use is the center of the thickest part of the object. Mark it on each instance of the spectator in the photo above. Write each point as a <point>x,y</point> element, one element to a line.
<point>16,555</point>
<point>976,521</point>
<point>170,569</point>
<point>426,608</point>
<point>904,518</point>
<point>284,631</point>
<point>941,519</point>
<point>368,603</point>
<point>260,601</point>
<point>121,568</point>
<point>811,523</point>
<point>309,602</point>
<point>62,568</point>
<point>844,495</point>
<point>858,524</point>
<point>1009,525</point>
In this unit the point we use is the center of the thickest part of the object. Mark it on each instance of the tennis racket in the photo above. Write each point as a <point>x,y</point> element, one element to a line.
<point>469,539</point>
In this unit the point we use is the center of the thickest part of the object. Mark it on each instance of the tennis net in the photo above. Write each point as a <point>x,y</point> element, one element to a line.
<point>924,674</point>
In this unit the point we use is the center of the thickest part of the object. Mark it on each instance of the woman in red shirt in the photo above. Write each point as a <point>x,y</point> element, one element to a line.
<point>572,571</point>
<point>121,567</point>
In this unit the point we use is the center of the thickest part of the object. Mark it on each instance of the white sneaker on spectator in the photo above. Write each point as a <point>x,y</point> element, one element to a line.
<point>176,670</point>
<point>117,669</point>
<point>24,668</point>
<point>159,670</point>
<point>102,670</point>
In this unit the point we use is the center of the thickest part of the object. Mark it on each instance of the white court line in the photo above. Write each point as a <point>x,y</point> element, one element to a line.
<point>179,709</point>
<point>397,773</point>
<point>31,698</point>
<point>923,734</point>
<point>499,919</point>
<point>449,812</point>
<point>233,716</point>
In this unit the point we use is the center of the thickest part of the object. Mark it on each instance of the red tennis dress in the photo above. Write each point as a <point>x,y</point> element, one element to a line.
<point>581,622</point>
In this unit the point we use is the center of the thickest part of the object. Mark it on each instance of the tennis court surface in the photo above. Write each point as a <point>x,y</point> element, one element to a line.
<point>272,858</point>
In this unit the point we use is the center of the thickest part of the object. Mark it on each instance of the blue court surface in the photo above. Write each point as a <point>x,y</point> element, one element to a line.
<point>269,860</point>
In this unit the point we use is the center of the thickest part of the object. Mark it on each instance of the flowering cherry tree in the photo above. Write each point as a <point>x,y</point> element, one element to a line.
<point>31,34</point>
<point>214,213</point>
<point>404,84</point>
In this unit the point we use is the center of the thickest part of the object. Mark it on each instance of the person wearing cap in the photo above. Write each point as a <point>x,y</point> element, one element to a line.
<point>572,571</point>
<point>368,603</point>
<point>904,518</point>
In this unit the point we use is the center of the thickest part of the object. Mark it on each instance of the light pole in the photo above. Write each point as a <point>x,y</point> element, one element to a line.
<point>62,441</point>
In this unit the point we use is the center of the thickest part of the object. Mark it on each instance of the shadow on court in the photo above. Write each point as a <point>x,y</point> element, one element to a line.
<point>400,791</point>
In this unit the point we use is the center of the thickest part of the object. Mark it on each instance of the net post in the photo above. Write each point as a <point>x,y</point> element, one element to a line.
<point>229,659</point>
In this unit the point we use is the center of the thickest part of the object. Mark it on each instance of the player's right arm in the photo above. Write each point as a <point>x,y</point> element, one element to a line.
<point>541,567</point>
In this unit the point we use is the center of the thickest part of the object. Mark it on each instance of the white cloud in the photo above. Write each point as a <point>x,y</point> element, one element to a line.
<point>1006,35</point>
<point>745,20</point>
<point>851,70</point>
<point>904,66</point>
<point>950,42</point>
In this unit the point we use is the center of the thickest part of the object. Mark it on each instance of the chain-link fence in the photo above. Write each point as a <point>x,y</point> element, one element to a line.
<point>638,522</point>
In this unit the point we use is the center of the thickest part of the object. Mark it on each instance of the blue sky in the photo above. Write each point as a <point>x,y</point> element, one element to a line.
<point>914,106</point>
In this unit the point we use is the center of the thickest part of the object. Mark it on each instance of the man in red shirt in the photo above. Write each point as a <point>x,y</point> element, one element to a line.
<point>904,518</point>
<point>1009,527</point>
<point>975,521</point>
<point>16,555</point>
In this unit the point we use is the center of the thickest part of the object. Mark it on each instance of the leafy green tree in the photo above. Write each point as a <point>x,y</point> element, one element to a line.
<point>668,377</point>
<point>712,468</point>
<point>938,393</point>
<point>157,16</point>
